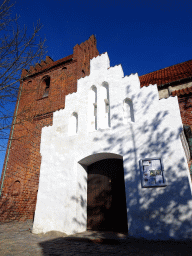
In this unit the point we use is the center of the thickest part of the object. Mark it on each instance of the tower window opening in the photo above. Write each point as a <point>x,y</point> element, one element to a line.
<point>47,86</point>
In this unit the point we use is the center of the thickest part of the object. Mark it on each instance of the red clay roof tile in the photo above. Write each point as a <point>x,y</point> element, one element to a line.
<point>168,75</point>
<point>182,91</point>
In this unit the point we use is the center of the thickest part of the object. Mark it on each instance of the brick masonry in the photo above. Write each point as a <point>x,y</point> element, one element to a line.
<point>185,104</point>
<point>20,175</point>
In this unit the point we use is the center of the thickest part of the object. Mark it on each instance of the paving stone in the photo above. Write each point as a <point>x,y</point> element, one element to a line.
<point>16,239</point>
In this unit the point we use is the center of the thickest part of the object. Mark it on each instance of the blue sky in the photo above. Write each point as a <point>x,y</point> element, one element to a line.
<point>143,36</point>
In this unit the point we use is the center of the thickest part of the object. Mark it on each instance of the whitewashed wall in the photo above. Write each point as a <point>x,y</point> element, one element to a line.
<point>157,213</point>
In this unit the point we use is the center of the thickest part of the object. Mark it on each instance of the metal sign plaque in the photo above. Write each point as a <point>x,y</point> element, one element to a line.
<point>152,174</point>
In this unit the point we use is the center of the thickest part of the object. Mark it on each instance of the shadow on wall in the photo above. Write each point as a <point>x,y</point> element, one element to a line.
<point>153,212</point>
<point>82,201</point>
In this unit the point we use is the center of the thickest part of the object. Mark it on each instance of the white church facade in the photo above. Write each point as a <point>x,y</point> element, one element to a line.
<point>113,159</point>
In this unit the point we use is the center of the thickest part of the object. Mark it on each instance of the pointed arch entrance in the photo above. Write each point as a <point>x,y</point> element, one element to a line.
<point>106,200</point>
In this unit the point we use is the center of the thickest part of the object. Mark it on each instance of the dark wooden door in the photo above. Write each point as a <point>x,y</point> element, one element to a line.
<point>106,205</point>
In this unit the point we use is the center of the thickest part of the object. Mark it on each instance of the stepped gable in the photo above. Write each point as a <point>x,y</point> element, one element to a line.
<point>87,42</point>
<point>47,64</point>
<point>168,75</point>
<point>182,91</point>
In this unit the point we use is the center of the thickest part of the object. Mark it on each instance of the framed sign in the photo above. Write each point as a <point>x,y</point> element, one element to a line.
<point>152,173</point>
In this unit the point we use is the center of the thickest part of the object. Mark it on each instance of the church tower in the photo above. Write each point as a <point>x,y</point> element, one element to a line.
<point>42,91</point>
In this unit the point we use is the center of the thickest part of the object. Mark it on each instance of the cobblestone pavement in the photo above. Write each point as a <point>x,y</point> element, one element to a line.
<point>16,239</point>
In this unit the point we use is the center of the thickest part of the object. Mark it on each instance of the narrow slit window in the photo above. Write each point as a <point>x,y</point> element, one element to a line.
<point>92,109</point>
<point>128,111</point>
<point>105,106</point>
<point>73,124</point>
<point>47,86</point>
<point>95,109</point>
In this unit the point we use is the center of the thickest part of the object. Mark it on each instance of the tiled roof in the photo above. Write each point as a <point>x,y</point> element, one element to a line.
<point>168,75</point>
<point>182,91</point>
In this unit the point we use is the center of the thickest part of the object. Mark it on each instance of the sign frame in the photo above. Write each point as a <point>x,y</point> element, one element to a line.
<point>151,176</point>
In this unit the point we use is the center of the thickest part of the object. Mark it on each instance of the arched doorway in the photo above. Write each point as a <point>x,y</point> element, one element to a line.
<point>106,201</point>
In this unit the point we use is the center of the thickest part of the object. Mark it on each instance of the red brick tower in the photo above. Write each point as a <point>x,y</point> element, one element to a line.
<point>42,91</point>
